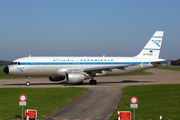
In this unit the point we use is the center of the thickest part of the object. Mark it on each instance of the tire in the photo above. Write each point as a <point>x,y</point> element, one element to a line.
<point>92,82</point>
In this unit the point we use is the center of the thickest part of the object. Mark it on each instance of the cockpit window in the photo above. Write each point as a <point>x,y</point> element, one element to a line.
<point>15,63</point>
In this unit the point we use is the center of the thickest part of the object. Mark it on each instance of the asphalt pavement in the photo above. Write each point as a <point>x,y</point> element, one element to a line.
<point>95,103</point>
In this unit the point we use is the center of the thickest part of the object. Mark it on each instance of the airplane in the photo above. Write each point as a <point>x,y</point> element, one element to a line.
<point>77,69</point>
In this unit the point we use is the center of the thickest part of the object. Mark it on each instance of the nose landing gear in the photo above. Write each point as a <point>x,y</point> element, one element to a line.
<point>28,81</point>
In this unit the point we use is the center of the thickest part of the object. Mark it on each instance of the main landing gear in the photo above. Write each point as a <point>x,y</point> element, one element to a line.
<point>92,81</point>
<point>28,81</point>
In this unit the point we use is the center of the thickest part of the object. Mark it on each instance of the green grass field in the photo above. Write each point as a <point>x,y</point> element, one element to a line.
<point>169,68</point>
<point>46,101</point>
<point>153,101</point>
<point>139,73</point>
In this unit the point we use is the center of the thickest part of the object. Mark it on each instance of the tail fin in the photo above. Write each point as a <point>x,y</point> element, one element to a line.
<point>152,48</point>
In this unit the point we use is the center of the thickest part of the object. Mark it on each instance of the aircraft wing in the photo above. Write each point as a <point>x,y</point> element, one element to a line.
<point>105,68</point>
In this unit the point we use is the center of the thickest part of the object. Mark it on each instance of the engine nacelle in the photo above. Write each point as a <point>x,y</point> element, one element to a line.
<point>75,77</point>
<point>54,79</point>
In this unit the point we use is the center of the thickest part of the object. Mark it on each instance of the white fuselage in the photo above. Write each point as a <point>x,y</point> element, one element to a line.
<point>58,66</point>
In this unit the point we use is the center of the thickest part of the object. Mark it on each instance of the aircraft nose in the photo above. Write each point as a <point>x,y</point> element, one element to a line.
<point>6,70</point>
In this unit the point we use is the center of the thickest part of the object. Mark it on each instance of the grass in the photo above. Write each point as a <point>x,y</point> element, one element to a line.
<point>139,73</point>
<point>46,101</point>
<point>153,101</point>
<point>169,68</point>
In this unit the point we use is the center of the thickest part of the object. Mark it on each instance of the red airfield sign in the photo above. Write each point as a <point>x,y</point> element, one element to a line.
<point>124,115</point>
<point>31,113</point>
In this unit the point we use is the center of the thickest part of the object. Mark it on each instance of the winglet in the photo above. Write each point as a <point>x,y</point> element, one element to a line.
<point>152,48</point>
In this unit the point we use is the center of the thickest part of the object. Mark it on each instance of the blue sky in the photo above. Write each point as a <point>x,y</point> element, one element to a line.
<point>87,27</point>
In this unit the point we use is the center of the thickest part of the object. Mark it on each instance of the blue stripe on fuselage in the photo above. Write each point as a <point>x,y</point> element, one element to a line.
<point>83,63</point>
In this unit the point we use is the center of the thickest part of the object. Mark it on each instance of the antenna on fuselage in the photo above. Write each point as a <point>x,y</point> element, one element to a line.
<point>103,55</point>
<point>29,55</point>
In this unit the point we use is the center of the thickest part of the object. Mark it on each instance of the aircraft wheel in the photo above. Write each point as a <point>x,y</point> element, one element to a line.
<point>92,82</point>
<point>27,83</point>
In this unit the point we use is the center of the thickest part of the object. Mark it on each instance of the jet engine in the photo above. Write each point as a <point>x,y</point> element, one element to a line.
<point>75,77</point>
<point>54,79</point>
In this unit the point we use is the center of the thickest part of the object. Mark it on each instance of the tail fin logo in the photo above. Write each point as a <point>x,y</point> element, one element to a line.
<point>157,42</point>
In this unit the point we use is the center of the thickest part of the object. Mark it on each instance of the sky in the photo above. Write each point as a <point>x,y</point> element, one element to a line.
<point>87,27</point>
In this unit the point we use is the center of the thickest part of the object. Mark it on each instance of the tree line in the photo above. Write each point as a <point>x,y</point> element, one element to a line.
<point>4,63</point>
<point>175,62</point>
